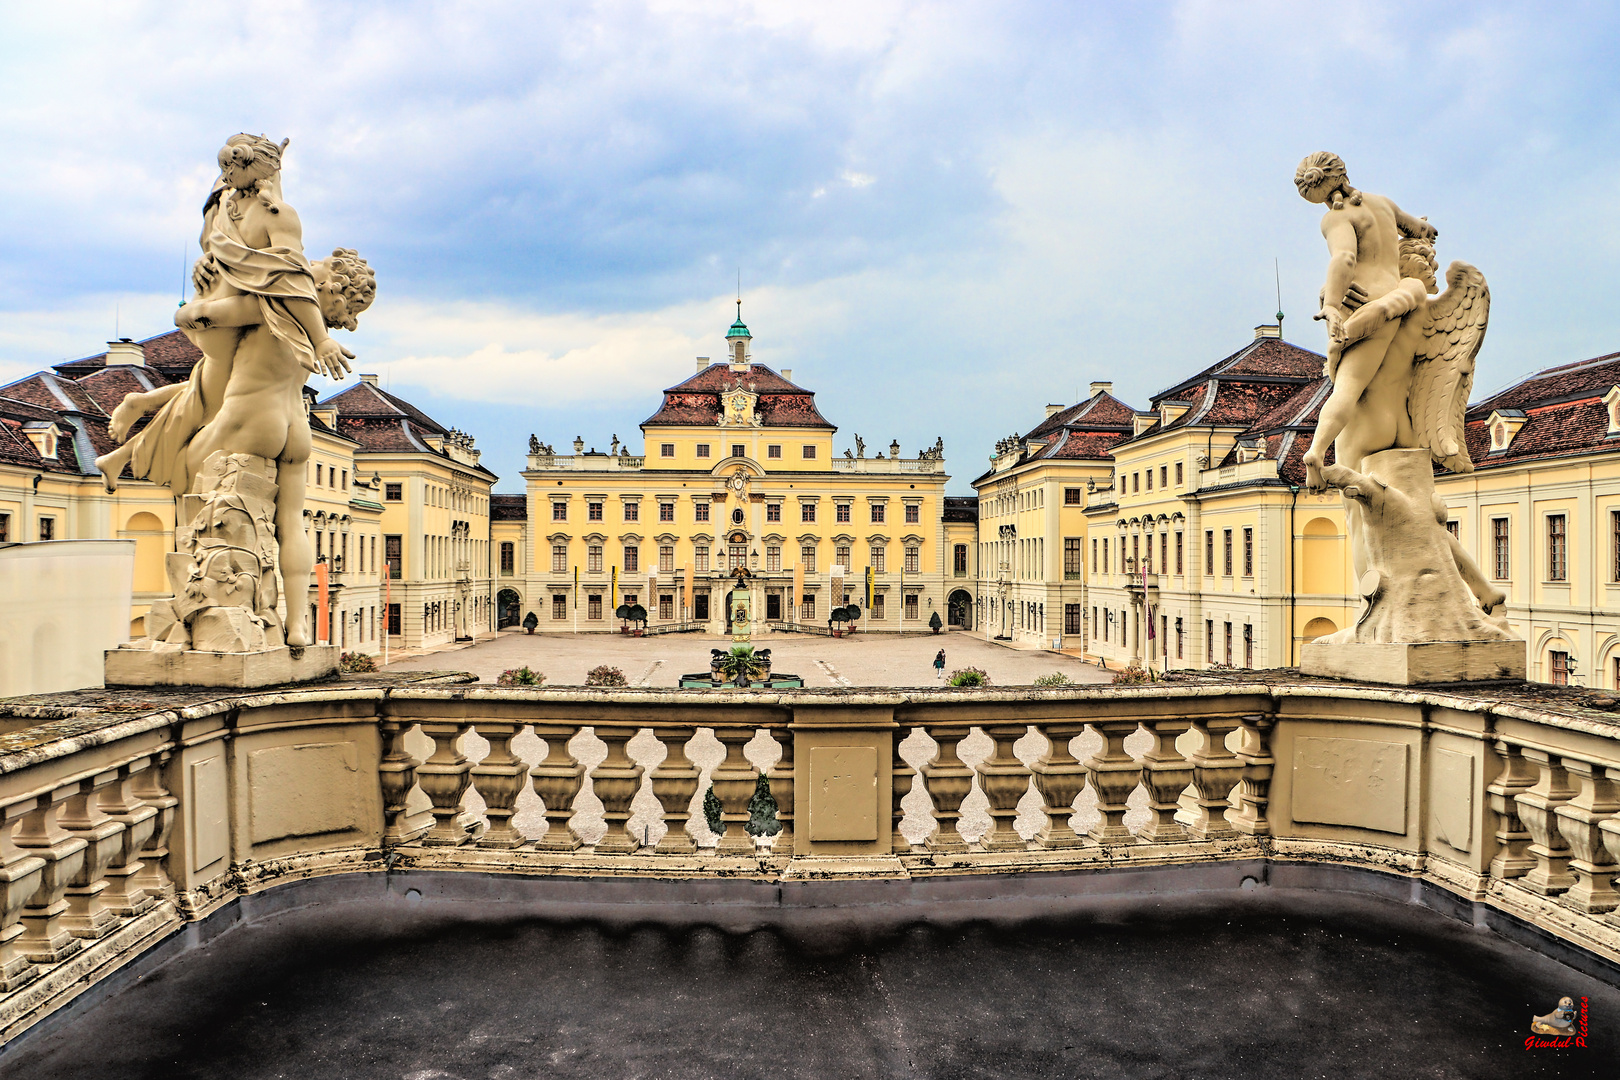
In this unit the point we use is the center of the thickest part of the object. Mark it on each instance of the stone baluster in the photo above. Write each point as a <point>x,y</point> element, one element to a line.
<point>1165,774</point>
<point>1060,778</point>
<point>675,782</point>
<point>45,939</point>
<point>902,776</point>
<point>1610,831</point>
<point>498,779</point>
<point>948,781</point>
<point>616,781</point>
<point>20,875</point>
<point>781,781</point>
<point>1580,820</point>
<point>1114,774</point>
<point>1004,780</point>
<point>125,894</point>
<point>1538,810</point>
<point>1254,790</point>
<point>148,787</point>
<point>1512,858</point>
<point>733,781</point>
<point>444,777</point>
<point>396,773</point>
<point>88,914</point>
<point>1216,770</point>
<point>558,780</point>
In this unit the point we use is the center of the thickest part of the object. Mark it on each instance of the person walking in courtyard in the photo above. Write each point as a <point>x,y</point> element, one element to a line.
<point>939,666</point>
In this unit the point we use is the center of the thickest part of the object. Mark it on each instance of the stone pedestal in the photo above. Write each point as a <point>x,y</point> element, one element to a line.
<point>1414,663</point>
<point>267,667</point>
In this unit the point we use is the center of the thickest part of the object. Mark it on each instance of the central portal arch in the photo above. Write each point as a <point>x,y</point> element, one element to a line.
<point>959,609</point>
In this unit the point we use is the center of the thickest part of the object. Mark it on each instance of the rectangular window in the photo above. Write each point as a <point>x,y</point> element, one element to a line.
<point>841,512</point>
<point>559,607</point>
<point>736,555</point>
<point>773,451</point>
<point>913,514</point>
<point>1105,555</point>
<point>1178,473</point>
<point>559,558</point>
<point>593,511</point>
<point>666,449</point>
<point>1178,553</point>
<point>911,606</point>
<point>700,606</point>
<point>1164,476</point>
<point>666,558</point>
<point>1164,553</point>
<point>393,554</point>
<point>47,528</point>
<point>1136,482</point>
<point>1071,618</point>
<point>1071,496</point>
<point>700,511</point>
<point>317,476</point>
<point>702,449</point>
<point>700,558</point>
<point>1094,555</point>
<point>809,453</point>
<point>1614,542</point>
<point>773,558</point>
<point>1559,663</point>
<point>508,558</point>
<point>1209,551</point>
<point>959,560</point>
<point>878,554</point>
<point>632,558</point>
<point>393,620</point>
<point>841,557</point>
<point>666,511</point>
<point>1455,529</point>
<point>1209,641</point>
<point>877,606</point>
<point>1150,479</point>
<point>807,511</point>
<point>1248,645</point>
<point>345,482</point>
<point>1136,553</point>
<point>593,606</point>
<point>1226,552</point>
<point>807,558</point>
<point>1557,549</point>
<point>912,558</point>
<point>773,511</point>
<point>559,511</point>
<point>739,450</point>
<point>1248,552</point>
<point>1228,644</point>
<point>877,513</point>
<point>632,511</point>
<point>666,605</point>
<point>807,608</point>
<point>593,559</point>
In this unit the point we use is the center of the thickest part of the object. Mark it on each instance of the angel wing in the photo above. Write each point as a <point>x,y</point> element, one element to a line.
<point>1443,365</point>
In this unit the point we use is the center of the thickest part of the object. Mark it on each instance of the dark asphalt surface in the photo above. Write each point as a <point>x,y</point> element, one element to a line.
<point>1265,984</point>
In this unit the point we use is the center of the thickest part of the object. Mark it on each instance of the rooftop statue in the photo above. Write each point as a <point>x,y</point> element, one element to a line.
<point>1402,366</point>
<point>233,441</point>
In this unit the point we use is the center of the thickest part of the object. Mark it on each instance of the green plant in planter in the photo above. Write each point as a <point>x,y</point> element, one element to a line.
<point>604,675</point>
<point>357,662</point>
<point>638,615</point>
<point>1133,676</point>
<point>1057,678</point>
<point>762,810</point>
<point>743,660</point>
<point>968,676</point>
<point>934,622</point>
<point>523,676</point>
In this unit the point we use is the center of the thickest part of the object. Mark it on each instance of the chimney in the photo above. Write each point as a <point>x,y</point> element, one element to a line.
<point>1267,330</point>
<point>1053,410</point>
<point>1101,388</point>
<point>703,363</point>
<point>369,380</point>
<point>787,373</point>
<point>125,351</point>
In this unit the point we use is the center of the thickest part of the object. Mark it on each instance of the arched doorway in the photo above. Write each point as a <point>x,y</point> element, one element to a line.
<point>959,607</point>
<point>509,606</point>
<point>1325,570</point>
<point>1318,628</point>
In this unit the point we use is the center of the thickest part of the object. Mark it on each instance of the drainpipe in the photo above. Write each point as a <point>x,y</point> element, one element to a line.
<point>1293,561</point>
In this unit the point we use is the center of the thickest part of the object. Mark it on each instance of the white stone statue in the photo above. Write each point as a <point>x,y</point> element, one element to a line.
<point>1402,367</point>
<point>233,441</point>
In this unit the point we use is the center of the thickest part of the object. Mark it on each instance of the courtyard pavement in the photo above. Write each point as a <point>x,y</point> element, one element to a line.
<point>861,660</point>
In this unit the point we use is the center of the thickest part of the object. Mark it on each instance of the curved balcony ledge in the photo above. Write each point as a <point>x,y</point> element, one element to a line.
<point>128,816</point>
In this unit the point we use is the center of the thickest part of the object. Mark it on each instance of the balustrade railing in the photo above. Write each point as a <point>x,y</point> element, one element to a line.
<point>109,834</point>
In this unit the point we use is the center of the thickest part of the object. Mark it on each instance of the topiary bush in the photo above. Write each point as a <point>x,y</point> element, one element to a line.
<point>1057,678</point>
<point>523,676</point>
<point>968,676</point>
<point>357,662</point>
<point>1132,676</point>
<point>604,675</point>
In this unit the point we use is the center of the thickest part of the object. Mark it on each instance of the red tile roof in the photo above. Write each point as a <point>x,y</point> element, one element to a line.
<point>172,354</point>
<point>696,401</point>
<point>509,508</point>
<point>1564,414</point>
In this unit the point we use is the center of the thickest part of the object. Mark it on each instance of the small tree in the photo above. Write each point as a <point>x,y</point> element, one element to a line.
<point>530,621</point>
<point>357,663</point>
<point>934,622</point>
<point>638,615</point>
<point>604,675</point>
<point>762,819</point>
<point>622,613</point>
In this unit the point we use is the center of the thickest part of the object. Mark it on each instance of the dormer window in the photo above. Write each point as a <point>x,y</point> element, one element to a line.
<point>1504,424</point>
<point>43,435</point>
<point>1611,402</point>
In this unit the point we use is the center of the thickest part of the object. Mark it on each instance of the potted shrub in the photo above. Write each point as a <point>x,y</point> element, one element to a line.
<point>851,613</point>
<point>605,675</point>
<point>835,617</point>
<point>638,616</point>
<point>523,676</point>
<point>934,623</point>
<point>530,621</point>
<point>622,613</point>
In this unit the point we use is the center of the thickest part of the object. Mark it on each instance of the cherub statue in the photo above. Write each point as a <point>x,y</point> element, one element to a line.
<point>534,444</point>
<point>849,454</point>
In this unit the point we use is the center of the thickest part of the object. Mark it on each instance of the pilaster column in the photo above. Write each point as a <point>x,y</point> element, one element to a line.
<point>558,780</point>
<point>20,876</point>
<point>45,939</point>
<point>1165,774</point>
<point>498,779</point>
<point>443,777</point>
<point>948,782</point>
<point>1004,780</point>
<point>733,781</point>
<point>674,782</point>
<point>616,782</point>
<point>780,777</point>
<point>88,915</point>
<point>1538,809</point>
<point>1512,858</point>
<point>1114,774</point>
<point>1254,790</point>
<point>125,894</point>
<point>1216,770</point>
<point>1578,822</point>
<point>1059,777</point>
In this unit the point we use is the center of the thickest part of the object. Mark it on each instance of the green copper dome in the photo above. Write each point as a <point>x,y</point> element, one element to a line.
<point>738,330</point>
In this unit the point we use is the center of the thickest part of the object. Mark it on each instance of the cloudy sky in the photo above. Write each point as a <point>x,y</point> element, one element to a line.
<point>945,215</point>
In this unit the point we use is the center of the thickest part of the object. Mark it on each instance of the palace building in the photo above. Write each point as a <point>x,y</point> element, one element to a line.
<point>738,474</point>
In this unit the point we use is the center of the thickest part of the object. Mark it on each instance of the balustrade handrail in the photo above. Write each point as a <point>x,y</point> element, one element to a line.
<point>114,826</point>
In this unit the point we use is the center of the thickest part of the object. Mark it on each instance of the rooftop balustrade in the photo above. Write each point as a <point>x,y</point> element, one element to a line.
<point>126,815</point>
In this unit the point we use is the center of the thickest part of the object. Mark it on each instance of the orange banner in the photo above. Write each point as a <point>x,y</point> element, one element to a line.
<point>323,617</point>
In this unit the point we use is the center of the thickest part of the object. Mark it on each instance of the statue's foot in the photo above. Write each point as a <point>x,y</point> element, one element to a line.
<point>298,637</point>
<point>123,418</point>
<point>109,471</point>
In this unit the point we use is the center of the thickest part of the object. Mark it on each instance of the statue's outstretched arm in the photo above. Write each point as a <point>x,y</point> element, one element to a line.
<point>1416,228</point>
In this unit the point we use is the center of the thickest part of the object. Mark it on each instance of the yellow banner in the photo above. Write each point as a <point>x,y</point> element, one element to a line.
<point>798,592</point>
<point>686,593</point>
<point>613,594</point>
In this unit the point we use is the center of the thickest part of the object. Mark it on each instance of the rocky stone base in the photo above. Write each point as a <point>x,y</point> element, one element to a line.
<point>1415,663</point>
<point>243,670</point>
